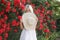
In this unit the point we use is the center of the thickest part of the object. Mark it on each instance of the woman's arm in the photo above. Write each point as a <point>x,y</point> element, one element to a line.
<point>21,25</point>
<point>37,25</point>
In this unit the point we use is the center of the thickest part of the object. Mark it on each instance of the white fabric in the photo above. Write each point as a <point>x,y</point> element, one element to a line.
<point>30,8</point>
<point>28,35</point>
<point>29,21</point>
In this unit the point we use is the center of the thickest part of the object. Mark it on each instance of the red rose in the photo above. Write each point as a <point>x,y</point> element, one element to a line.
<point>2,20</point>
<point>41,21</point>
<point>41,14</point>
<point>8,29</point>
<point>0,37</point>
<point>8,3</point>
<point>54,27</point>
<point>53,22</point>
<point>47,17</point>
<point>19,17</point>
<point>15,30</point>
<point>49,12</point>
<point>6,35</point>
<point>24,1</point>
<point>14,23</point>
<point>17,23</point>
<point>16,2</point>
<point>5,17</point>
<point>3,1</point>
<point>22,6</point>
<point>36,12</point>
<point>4,25</point>
<point>2,12</point>
<point>43,10</point>
<point>1,31</point>
<point>46,3</point>
<point>47,30</point>
<point>8,7</point>
<point>33,5</point>
<point>41,26</point>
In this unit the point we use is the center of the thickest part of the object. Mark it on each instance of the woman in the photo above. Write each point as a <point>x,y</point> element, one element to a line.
<point>29,21</point>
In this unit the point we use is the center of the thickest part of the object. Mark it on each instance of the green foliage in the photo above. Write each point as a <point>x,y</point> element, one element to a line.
<point>53,36</point>
<point>41,38</point>
<point>56,9</point>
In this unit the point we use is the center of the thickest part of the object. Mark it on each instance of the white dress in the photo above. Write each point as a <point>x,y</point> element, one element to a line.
<point>29,21</point>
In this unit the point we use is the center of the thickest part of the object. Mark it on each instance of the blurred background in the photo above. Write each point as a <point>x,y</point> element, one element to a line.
<point>47,11</point>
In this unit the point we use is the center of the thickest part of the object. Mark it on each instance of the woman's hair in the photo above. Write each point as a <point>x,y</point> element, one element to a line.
<point>29,7</point>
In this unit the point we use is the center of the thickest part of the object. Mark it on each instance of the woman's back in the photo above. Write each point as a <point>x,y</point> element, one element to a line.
<point>29,20</point>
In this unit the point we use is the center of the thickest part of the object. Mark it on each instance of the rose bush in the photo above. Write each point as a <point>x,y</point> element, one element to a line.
<point>10,11</point>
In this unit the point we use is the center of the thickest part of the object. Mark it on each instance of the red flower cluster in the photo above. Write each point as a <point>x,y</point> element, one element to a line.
<point>4,28</point>
<point>8,6</point>
<point>3,1</point>
<point>44,17</point>
<point>53,24</point>
<point>1,13</point>
<point>16,2</point>
<point>19,17</point>
<point>15,23</point>
<point>6,35</point>
<point>24,1</point>
<point>41,26</point>
<point>22,6</point>
<point>47,30</point>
